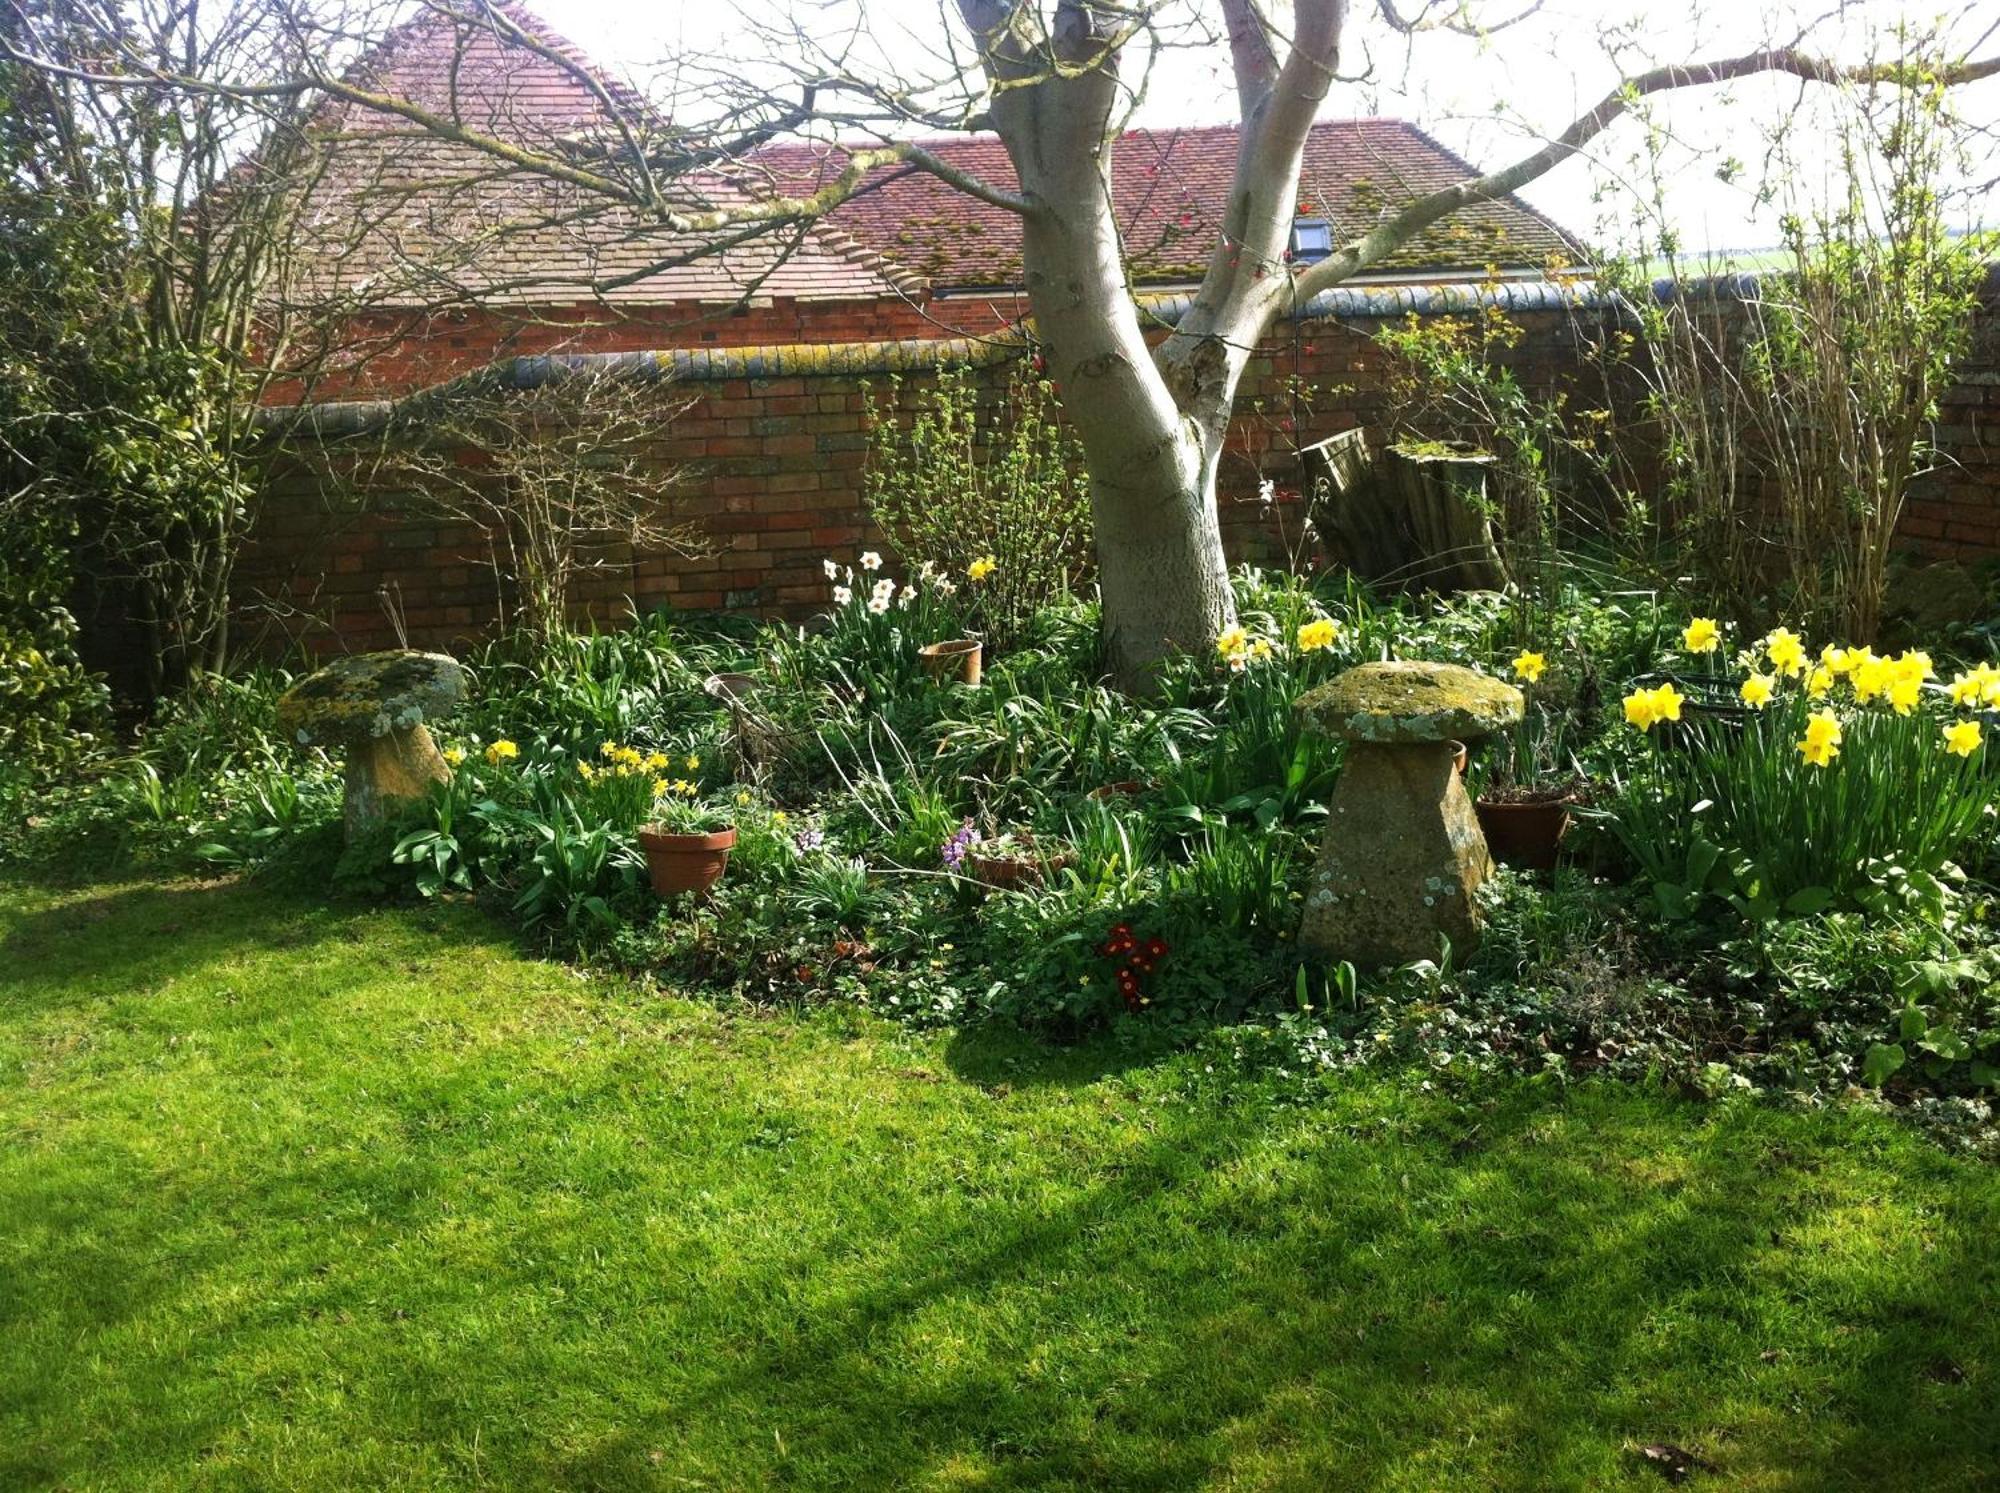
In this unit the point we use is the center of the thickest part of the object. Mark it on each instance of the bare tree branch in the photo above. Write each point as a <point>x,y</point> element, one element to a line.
<point>1379,242</point>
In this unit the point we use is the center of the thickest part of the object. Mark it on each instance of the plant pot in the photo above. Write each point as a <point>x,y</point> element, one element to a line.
<point>731,689</point>
<point>1526,836</point>
<point>686,863</point>
<point>959,659</point>
<point>1461,756</point>
<point>1129,788</point>
<point>1008,870</point>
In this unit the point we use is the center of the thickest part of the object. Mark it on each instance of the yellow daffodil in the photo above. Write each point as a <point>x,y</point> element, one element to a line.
<point>1321,633</point>
<point>1840,661</point>
<point>1757,690</point>
<point>1821,743</point>
<point>1870,675</point>
<point>1907,673</point>
<point>1980,686</point>
<point>1646,708</point>
<point>981,568</point>
<point>1786,651</point>
<point>1260,647</point>
<point>1528,667</point>
<point>501,751</point>
<point>1819,680</point>
<point>1231,641</point>
<point>742,796</point>
<point>1961,738</point>
<point>693,762</point>
<point>454,756</point>
<point>658,762</point>
<point>1701,636</point>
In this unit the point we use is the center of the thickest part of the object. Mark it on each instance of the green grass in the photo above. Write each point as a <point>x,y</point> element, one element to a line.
<point>297,1196</point>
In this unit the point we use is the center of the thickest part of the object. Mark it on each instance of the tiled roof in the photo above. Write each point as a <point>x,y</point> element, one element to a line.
<point>1169,187</point>
<point>405,218</point>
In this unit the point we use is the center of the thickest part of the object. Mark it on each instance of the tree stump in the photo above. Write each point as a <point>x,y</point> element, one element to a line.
<point>1443,493</point>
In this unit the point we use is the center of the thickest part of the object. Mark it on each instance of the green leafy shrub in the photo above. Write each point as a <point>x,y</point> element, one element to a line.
<point>990,491</point>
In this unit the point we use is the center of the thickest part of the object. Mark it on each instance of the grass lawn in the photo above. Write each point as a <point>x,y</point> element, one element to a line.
<point>298,1196</point>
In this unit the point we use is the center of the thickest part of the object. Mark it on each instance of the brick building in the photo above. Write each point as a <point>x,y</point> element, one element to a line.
<point>453,266</point>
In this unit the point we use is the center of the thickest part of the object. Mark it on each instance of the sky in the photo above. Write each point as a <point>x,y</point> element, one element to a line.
<point>1491,99</point>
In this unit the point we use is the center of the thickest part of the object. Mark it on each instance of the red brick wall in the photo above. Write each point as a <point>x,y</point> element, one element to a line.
<point>1954,512</point>
<point>776,478</point>
<point>390,353</point>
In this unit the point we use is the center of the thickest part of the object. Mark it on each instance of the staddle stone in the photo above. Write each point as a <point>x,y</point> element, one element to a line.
<point>1403,854</point>
<point>375,706</point>
<point>1402,700</point>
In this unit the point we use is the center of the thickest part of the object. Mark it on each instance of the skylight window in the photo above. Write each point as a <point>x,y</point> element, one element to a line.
<point>1312,240</point>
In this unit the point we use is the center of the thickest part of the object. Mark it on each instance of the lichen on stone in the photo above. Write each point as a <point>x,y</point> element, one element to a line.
<point>361,696</point>
<point>1404,701</point>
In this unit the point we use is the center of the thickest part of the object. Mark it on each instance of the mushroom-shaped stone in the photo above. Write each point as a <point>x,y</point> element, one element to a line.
<point>1403,854</point>
<point>374,706</point>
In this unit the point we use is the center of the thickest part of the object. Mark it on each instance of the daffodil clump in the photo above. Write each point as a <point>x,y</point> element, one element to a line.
<point>1838,766</point>
<point>1238,647</point>
<point>878,622</point>
<point>627,787</point>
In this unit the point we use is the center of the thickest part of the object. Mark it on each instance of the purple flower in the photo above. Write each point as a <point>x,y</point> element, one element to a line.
<point>809,839</point>
<point>954,849</point>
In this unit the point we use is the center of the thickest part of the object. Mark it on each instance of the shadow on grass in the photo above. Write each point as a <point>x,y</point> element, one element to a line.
<point>1386,1288</point>
<point>1284,1303</point>
<point>995,1056</point>
<point>143,930</point>
<point>74,948</point>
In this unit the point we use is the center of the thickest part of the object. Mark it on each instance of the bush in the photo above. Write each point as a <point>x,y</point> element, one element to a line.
<point>991,493</point>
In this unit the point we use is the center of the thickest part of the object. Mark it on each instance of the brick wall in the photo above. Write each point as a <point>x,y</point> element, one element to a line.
<point>774,443</point>
<point>389,353</point>
<point>1954,512</point>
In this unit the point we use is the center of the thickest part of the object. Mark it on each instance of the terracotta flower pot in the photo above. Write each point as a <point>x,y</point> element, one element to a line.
<point>732,689</point>
<point>1461,755</point>
<point>685,863</point>
<point>959,659</point>
<point>1526,835</point>
<point>1009,869</point>
<point>1128,788</point>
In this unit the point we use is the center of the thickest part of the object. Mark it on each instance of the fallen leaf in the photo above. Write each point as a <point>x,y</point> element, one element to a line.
<point>1676,1463</point>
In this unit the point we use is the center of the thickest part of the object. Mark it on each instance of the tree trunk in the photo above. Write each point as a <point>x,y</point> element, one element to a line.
<point>1152,468</point>
<point>1160,565</point>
